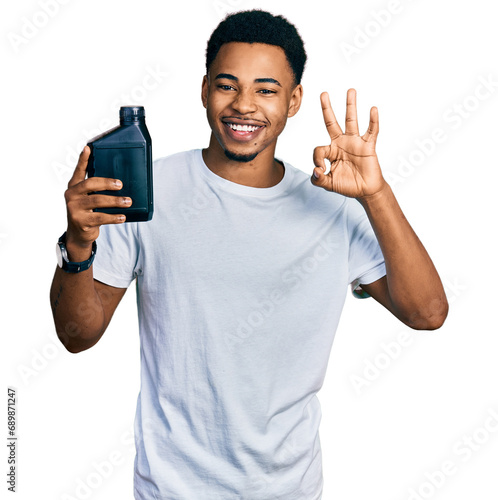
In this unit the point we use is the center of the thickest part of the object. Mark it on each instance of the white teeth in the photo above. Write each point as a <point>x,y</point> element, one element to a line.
<point>242,128</point>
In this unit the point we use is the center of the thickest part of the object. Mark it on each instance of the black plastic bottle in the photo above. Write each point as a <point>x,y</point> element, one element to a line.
<point>125,153</point>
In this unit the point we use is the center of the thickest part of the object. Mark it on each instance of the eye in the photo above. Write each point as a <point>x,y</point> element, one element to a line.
<point>225,87</point>
<point>266,91</point>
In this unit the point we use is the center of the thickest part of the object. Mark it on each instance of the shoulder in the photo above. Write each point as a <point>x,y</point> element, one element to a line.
<point>175,160</point>
<point>173,171</point>
<point>315,198</point>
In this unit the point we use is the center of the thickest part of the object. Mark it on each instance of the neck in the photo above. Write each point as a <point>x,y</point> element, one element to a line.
<point>262,172</point>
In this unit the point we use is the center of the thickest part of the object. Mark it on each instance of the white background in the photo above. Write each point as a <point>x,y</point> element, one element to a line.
<point>393,412</point>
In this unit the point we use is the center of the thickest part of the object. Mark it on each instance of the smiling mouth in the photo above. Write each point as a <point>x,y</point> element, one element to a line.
<point>242,128</point>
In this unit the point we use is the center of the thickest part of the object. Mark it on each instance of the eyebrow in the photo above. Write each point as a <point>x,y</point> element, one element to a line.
<point>228,76</point>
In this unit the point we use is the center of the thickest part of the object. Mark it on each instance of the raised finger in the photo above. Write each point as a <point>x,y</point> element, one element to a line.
<point>333,127</point>
<point>351,115</point>
<point>373,127</point>
<point>79,173</point>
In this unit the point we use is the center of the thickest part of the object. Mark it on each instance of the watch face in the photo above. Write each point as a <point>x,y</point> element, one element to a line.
<point>58,252</point>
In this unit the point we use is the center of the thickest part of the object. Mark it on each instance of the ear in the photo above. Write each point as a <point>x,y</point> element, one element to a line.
<point>295,100</point>
<point>204,92</point>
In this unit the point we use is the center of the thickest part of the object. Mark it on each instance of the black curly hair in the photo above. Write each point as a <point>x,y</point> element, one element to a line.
<point>259,26</point>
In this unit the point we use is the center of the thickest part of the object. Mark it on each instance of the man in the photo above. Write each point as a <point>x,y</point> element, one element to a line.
<point>239,296</point>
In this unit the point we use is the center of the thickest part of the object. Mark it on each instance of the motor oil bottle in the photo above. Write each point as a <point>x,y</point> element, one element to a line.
<point>125,153</point>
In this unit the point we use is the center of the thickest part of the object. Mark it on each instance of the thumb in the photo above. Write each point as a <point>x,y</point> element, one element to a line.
<point>79,173</point>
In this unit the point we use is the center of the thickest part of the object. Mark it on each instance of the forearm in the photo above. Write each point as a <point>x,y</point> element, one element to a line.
<point>415,292</point>
<point>76,307</point>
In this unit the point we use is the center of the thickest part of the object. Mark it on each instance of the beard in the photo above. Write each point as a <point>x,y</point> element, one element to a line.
<point>240,158</point>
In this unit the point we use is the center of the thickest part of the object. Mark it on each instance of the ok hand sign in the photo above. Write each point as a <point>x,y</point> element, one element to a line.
<point>354,167</point>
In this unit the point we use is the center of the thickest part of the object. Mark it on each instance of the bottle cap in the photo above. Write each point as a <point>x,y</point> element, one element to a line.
<point>131,112</point>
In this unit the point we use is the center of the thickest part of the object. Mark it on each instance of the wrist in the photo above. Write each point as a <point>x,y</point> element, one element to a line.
<point>77,251</point>
<point>68,263</point>
<point>377,198</point>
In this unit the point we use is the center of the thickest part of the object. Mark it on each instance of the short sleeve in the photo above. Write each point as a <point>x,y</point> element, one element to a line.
<point>366,262</point>
<point>117,254</point>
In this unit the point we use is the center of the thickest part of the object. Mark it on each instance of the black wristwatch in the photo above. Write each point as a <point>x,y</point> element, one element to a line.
<point>72,267</point>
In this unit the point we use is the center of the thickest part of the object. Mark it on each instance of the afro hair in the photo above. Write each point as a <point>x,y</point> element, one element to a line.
<point>258,26</point>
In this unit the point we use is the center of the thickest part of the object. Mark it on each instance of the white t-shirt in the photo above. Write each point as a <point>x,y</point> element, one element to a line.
<point>239,290</point>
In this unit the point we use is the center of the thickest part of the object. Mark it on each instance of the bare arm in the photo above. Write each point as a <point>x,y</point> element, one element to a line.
<point>411,289</point>
<point>81,306</point>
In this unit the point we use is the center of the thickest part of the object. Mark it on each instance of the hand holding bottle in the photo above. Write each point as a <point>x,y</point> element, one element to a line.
<point>83,224</point>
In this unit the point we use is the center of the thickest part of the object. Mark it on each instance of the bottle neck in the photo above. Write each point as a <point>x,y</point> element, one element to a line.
<point>131,121</point>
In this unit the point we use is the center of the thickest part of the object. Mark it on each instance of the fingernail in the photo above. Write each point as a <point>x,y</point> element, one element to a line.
<point>118,184</point>
<point>127,201</point>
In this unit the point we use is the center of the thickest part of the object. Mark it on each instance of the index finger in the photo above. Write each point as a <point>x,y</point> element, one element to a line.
<point>333,127</point>
<point>79,173</point>
<point>373,127</point>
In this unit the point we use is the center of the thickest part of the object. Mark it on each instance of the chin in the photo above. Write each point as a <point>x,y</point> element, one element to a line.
<point>240,158</point>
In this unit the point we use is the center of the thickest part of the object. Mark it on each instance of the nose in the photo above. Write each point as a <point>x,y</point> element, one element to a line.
<point>244,102</point>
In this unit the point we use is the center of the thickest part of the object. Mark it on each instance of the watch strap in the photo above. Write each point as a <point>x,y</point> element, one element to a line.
<point>75,267</point>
